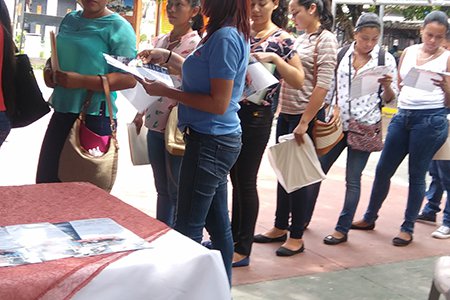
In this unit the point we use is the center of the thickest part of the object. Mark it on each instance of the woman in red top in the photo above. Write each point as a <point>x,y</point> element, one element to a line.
<point>7,71</point>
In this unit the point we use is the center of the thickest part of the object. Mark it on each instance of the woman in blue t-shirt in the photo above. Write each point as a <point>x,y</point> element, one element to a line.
<point>82,39</point>
<point>213,82</point>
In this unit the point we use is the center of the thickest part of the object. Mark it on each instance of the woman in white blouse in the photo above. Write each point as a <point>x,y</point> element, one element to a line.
<point>419,128</point>
<point>361,55</point>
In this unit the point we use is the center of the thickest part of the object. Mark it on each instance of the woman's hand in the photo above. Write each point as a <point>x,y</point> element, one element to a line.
<point>299,131</point>
<point>69,80</point>
<point>138,122</point>
<point>385,81</point>
<point>265,57</point>
<point>48,77</point>
<point>155,56</point>
<point>442,83</point>
<point>153,87</point>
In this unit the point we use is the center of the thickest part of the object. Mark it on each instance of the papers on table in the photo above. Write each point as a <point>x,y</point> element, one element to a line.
<point>366,82</point>
<point>259,78</point>
<point>33,243</point>
<point>422,79</point>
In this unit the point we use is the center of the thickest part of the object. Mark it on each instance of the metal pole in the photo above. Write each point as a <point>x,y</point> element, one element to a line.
<point>333,12</point>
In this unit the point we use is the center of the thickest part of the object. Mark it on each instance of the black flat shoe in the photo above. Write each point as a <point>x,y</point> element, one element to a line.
<point>399,242</point>
<point>331,240</point>
<point>368,227</point>
<point>282,251</point>
<point>262,239</point>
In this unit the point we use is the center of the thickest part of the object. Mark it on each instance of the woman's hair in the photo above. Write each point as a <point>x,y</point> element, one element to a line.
<point>436,16</point>
<point>8,69</point>
<point>197,20</point>
<point>227,13</point>
<point>323,11</point>
<point>280,14</point>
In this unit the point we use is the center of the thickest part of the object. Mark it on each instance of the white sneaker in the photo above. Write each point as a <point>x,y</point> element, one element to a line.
<point>442,232</point>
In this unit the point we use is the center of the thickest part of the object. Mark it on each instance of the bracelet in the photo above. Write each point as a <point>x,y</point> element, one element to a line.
<point>168,57</point>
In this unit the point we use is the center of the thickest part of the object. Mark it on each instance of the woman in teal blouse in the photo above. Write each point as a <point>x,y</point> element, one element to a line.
<point>82,39</point>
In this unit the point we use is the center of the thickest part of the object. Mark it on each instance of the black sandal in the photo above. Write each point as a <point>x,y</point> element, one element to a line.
<point>331,240</point>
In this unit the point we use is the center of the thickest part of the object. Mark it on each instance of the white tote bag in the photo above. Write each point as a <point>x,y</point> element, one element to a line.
<point>138,145</point>
<point>444,152</point>
<point>296,166</point>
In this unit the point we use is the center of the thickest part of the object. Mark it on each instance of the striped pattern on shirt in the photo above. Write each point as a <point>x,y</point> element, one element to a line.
<point>294,101</point>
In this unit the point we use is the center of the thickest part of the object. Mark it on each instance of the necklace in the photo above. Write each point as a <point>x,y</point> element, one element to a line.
<point>429,57</point>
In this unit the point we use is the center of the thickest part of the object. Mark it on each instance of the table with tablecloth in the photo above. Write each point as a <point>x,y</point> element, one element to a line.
<point>174,267</point>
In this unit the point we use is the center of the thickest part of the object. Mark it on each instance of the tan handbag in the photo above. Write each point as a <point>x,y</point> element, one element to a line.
<point>326,134</point>
<point>173,136</point>
<point>77,164</point>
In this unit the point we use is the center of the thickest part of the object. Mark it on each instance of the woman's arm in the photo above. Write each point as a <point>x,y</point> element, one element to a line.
<point>71,80</point>
<point>216,102</point>
<point>291,71</point>
<point>160,56</point>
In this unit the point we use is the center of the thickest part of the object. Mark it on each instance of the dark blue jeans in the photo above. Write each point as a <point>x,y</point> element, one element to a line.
<point>419,133</point>
<point>256,123</point>
<point>5,127</point>
<point>57,131</point>
<point>295,202</point>
<point>440,174</point>
<point>356,162</point>
<point>202,193</point>
<point>166,173</point>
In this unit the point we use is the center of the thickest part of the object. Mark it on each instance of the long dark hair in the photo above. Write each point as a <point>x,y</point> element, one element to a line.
<point>227,12</point>
<point>8,69</point>
<point>280,14</point>
<point>197,20</point>
<point>323,11</point>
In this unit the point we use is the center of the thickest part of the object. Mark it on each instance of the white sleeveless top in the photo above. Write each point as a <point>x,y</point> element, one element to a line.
<point>412,98</point>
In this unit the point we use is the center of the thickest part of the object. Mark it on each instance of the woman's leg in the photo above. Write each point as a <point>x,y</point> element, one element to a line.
<point>5,127</point>
<point>394,151</point>
<point>165,211</point>
<point>428,133</point>
<point>356,162</point>
<point>245,195</point>
<point>202,197</point>
<point>57,131</point>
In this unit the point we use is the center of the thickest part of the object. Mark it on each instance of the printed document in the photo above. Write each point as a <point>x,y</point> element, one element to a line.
<point>422,79</point>
<point>366,82</point>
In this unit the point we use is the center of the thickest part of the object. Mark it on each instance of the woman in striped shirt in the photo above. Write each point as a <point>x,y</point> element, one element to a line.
<point>298,109</point>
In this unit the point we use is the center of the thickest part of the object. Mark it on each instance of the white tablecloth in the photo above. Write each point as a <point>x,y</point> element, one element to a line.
<point>174,268</point>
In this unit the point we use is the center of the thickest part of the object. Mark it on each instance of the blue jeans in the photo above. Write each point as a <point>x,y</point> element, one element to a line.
<point>440,174</point>
<point>57,131</point>
<point>5,127</point>
<point>202,193</point>
<point>295,202</point>
<point>166,173</point>
<point>356,162</point>
<point>417,132</point>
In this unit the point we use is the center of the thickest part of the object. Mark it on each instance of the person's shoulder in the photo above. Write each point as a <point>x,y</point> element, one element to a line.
<point>328,36</point>
<point>284,35</point>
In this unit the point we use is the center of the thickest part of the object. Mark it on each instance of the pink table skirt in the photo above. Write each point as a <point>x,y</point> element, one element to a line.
<point>58,202</point>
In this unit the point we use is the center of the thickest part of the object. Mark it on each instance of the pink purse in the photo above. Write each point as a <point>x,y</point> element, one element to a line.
<point>91,140</point>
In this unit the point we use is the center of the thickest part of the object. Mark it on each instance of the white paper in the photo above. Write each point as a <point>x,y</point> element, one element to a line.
<point>259,78</point>
<point>421,79</point>
<point>139,98</point>
<point>149,71</point>
<point>366,82</point>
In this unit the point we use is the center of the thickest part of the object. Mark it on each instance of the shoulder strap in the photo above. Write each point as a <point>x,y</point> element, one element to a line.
<point>340,55</point>
<point>381,62</point>
<point>263,39</point>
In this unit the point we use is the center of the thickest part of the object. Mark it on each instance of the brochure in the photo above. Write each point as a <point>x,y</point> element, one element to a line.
<point>422,79</point>
<point>366,82</point>
<point>259,78</point>
<point>54,53</point>
<point>142,71</point>
<point>34,243</point>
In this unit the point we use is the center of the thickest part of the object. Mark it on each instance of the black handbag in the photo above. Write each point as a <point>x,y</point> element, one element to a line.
<point>29,104</point>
